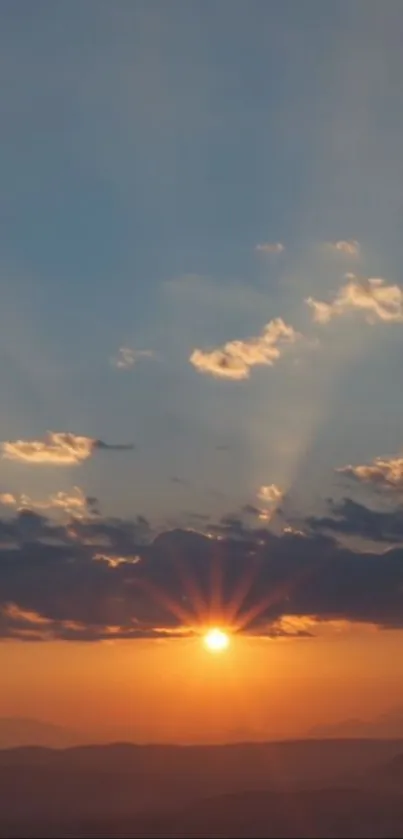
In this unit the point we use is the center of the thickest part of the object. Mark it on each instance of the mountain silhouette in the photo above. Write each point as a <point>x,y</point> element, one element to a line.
<point>383,726</point>
<point>24,731</point>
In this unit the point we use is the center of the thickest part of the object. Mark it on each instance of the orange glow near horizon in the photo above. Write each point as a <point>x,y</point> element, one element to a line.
<point>257,688</point>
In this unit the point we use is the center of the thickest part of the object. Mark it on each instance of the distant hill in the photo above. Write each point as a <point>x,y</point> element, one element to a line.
<point>20,731</point>
<point>389,725</point>
<point>319,814</point>
<point>120,780</point>
<point>389,774</point>
<point>308,814</point>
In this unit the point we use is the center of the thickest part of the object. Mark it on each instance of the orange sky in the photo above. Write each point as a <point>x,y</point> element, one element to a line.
<point>177,690</point>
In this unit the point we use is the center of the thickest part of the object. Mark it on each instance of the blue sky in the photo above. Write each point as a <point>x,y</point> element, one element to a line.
<point>147,149</point>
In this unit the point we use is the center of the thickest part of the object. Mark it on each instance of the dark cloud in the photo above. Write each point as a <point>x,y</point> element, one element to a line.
<point>114,447</point>
<point>232,527</point>
<point>251,510</point>
<point>176,480</point>
<point>123,536</point>
<point>352,518</point>
<point>110,578</point>
<point>93,505</point>
<point>195,516</point>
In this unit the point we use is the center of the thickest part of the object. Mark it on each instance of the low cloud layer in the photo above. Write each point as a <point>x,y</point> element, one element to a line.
<point>127,357</point>
<point>235,359</point>
<point>384,473</point>
<point>58,449</point>
<point>112,578</point>
<point>371,297</point>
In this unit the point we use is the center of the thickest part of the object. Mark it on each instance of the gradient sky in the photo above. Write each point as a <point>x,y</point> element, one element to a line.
<point>175,176</point>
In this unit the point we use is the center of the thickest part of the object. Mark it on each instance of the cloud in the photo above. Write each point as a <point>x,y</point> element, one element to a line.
<point>124,583</point>
<point>234,359</point>
<point>128,357</point>
<point>371,297</point>
<point>58,449</point>
<point>293,627</point>
<point>8,499</point>
<point>230,526</point>
<point>348,247</point>
<point>271,495</point>
<point>113,447</point>
<point>119,535</point>
<point>26,625</point>
<point>384,473</point>
<point>175,479</point>
<point>113,561</point>
<point>73,503</point>
<point>251,510</point>
<point>270,247</point>
<point>351,518</point>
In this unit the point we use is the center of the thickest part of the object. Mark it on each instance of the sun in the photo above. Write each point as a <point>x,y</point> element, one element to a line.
<point>216,640</point>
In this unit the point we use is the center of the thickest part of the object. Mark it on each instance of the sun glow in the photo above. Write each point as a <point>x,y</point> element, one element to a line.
<point>216,640</point>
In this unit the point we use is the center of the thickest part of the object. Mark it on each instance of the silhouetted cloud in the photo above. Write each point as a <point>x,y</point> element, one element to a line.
<point>113,447</point>
<point>121,535</point>
<point>355,519</point>
<point>231,526</point>
<point>371,297</point>
<point>58,449</point>
<point>235,358</point>
<point>196,516</point>
<point>112,579</point>
<point>251,510</point>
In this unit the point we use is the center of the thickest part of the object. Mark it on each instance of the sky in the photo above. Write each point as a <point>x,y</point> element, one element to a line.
<point>201,332</point>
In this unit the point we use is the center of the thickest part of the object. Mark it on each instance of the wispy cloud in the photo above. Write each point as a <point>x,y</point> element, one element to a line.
<point>386,473</point>
<point>348,247</point>
<point>58,449</point>
<point>234,359</point>
<point>270,247</point>
<point>128,357</point>
<point>372,297</point>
